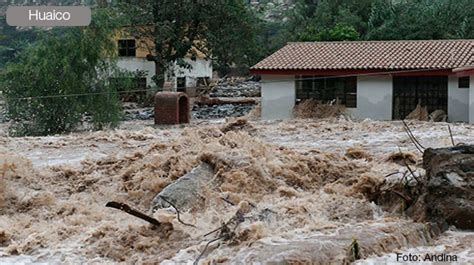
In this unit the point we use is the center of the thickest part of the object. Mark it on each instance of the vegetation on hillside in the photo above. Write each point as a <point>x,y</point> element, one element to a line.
<point>348,20</point>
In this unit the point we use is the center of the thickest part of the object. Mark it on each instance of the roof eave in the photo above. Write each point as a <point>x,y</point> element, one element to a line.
<point>464,71</point>
<point>353,72</point>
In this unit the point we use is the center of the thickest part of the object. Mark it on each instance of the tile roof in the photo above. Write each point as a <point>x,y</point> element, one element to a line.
<point>371,55</point>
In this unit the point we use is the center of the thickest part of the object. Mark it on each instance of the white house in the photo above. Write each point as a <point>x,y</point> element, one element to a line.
<point>381,80</point>
<point>132,57</point>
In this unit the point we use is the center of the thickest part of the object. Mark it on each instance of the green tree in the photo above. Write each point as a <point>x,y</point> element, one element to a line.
<point>340,32</point>
<point>271,33</point>
<point>328,20</point>
<point>231,39</point>
<point>13,41</point>
<point>381,20</point>
<point>63,76</point>
<point>422,19</point>
<point>221,30</point>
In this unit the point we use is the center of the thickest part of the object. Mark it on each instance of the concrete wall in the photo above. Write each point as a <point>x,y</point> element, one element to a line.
<point>133,64</point>
<point>278,97</point>
<point>471,100</point>
<point>200,68</point>
<point>374,98</point>
<point>458,101</point>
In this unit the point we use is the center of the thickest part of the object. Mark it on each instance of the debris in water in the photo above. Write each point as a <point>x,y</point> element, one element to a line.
<point>442,195</point>
<point>438,116</point>
<point>358,152</point>
<point>419,113</point>
<point>313,109</point>
<point>402,157</point>
<point>127,209</point>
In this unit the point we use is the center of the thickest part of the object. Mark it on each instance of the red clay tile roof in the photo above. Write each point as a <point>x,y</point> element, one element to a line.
<point>371,55</point>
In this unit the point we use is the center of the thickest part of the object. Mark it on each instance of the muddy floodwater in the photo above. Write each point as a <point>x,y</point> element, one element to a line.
<point>298,188</point>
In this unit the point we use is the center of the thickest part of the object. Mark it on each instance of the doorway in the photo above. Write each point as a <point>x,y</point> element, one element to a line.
<point>183,108</point>
<point>181,84</point>
<point>409,91</point>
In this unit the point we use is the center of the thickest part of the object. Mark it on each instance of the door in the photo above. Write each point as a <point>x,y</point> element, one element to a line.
<point>181,84</point>
<point>429,91</point>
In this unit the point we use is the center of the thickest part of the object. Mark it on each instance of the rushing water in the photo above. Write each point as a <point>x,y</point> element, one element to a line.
<point>451,245</point>
<point>55,188</point>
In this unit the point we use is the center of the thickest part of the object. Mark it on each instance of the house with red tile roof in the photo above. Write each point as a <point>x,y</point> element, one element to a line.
<point>381,80</point>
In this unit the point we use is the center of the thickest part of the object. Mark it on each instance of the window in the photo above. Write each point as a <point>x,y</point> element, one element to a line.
<point>428,91</point>
<point>464,82</point>
<point>126,48</point>
<point>180,84</point>
<point>327,89</point>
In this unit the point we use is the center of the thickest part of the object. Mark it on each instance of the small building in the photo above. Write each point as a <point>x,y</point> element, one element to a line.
<point>380,80</point>
<point>132,56</point>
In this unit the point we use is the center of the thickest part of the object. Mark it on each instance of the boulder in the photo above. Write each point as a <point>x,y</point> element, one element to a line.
<point>186,192</point>
<point>450,185</point>
<point>443,195</point>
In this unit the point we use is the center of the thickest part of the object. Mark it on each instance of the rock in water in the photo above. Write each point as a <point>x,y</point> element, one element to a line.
<point>450,187</point>
<point>444,195</point>
<point>185,192</point>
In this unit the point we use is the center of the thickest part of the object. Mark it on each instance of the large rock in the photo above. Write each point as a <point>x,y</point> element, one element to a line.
<point>444,195</point>
<point>450,185</point>
<point>186,192</point>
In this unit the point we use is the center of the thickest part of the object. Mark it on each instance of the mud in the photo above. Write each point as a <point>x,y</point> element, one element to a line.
<point>293,180</point>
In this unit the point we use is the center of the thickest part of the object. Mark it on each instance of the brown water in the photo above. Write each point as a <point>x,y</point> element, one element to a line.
<point>295,176</point>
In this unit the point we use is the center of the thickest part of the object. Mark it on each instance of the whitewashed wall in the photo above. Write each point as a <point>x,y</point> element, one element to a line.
<point>278,97</point>
<point>471,100</point>
<point>374,98</point>
<point>200,68</point>
<point>458,101</point>
<point>133,64</point>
